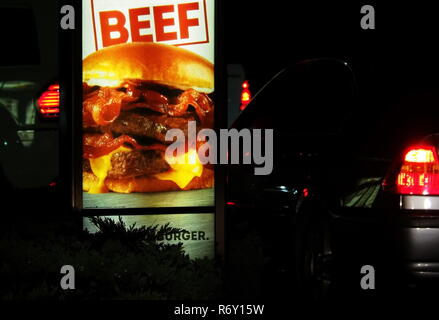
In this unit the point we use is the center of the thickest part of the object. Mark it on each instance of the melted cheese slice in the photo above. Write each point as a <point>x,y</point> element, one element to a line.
<point>184,169</point>
<point>100,167</point>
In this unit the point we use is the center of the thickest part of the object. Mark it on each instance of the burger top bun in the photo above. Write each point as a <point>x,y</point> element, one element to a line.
<point>160,63</point>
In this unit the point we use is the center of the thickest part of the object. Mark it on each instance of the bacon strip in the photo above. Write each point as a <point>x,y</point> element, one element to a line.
<point>102,106</point>
<point>98,145</point>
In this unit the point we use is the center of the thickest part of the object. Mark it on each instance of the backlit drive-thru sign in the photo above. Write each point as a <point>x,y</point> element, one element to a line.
<point>148,80</point>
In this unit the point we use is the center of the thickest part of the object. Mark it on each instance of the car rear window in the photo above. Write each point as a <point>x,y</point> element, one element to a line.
<point>309,101</point>
<point>19,37</point>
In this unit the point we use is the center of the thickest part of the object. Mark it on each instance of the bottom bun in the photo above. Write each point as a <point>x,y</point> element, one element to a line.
<point>149,183</point>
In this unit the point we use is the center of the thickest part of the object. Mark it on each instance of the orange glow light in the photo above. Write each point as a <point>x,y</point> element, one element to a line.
<point>245,96</point>
<point>420,156</point>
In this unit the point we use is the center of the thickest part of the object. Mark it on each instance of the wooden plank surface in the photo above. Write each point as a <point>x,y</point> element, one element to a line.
<point>191,198</point>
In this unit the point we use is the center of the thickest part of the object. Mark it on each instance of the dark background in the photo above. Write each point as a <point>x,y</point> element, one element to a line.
<point>400,55</point>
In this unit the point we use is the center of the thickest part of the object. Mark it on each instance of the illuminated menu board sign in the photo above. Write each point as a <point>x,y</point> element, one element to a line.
<point>148,80</point>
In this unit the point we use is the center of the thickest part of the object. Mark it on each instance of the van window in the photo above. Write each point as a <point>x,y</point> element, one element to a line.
<point>19,37</point>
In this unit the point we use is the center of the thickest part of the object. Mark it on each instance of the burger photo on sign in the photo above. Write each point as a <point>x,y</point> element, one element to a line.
<point>133,94</point>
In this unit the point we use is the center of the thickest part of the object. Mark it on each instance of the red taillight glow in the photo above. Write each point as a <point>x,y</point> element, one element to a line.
<point>246,95</point>
<point>245,98</point>
<point>305,192</point>
<point>53,87</point>
<point>420,156</point>
<point>418,174</point>
<point>48,102</point>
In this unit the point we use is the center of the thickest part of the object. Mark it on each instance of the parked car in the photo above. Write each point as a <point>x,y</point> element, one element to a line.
<point>353,184</point>
<point>29,96</point>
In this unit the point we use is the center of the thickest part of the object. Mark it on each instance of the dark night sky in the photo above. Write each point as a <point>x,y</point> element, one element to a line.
<point>401,54</point>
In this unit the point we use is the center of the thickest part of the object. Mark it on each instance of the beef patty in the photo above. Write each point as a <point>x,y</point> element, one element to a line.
<point>152,126</point>
<point>133,164</point>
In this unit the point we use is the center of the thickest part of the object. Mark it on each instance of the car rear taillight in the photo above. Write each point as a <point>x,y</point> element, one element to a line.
<point>418,173</point>
<point>48,102</point>
<point>245,95</point>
